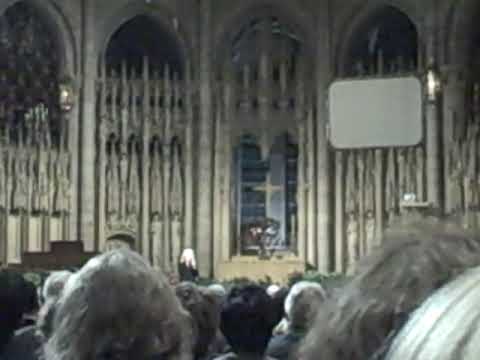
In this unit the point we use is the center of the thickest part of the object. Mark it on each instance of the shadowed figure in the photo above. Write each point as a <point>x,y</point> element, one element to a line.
<point>446,326</point>
<point>204,309</point>
<point>415,260</point>
<point>118,307</point>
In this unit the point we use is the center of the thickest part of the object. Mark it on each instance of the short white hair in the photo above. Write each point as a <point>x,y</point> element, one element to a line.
<point>296,290</point>
<point>188,258</point>
<point>273,289</point>
<point>217,289</point>
<point>53,286</point>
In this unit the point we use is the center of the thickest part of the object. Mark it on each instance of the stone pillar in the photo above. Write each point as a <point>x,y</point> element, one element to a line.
<point>339,212</point>
<point>432,121</point>
<point>205,146</point>
<point>88,125</point>
<point>454,103</point>
<point>189,159</point>
<point>324,194</point>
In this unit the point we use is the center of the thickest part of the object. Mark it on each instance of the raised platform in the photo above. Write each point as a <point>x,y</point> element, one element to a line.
<point>253,268</point>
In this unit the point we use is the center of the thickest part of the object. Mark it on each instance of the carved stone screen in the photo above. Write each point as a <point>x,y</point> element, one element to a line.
<point>375,113</point>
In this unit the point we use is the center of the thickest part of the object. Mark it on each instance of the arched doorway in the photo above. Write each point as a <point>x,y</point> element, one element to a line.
<point>142,122</point>
<point>35,165</point>
<point>139,37</point>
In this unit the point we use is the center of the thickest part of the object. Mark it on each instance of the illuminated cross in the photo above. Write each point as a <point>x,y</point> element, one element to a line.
<point>268,189</point>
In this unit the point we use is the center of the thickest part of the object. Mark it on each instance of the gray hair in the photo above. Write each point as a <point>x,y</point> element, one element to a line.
<point>415,260</point>
<point>54,284</point>
<point>218,290</point>
<point>118,302</point>
<point>446,326</point>
<point>297,289</point>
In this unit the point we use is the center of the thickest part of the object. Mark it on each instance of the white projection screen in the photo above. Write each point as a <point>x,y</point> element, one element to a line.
<point>372,113</point>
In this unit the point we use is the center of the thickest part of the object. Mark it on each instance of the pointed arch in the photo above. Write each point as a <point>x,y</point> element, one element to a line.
<point>162,16</point>
<point>287,14</point>
<point>361,17</point>
<point>60,27</point>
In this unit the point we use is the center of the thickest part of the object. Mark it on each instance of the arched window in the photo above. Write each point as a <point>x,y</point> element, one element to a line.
<point>266,190</point>
<point>139,37</point>
<point>29,74</point>
<point>247,45</point>
<point>388,33</point>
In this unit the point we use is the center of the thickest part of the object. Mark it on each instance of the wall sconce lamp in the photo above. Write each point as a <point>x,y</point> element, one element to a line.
<point>66,95</point>
<point>434,84</point>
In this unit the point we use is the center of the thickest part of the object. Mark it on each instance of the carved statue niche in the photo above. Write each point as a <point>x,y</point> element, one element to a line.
<point>410,169</point>
<point>10,177</point>
<point>470,151</point>
<point>113,186</point>
<point>133,193</point>
<point>176,197</point>
<point>20,195</point>
<point>369,217</point>
<point>352,230</point>
<point>352,241</point>
<point>391,187</point>
<point>156,230</point>
<point>62,171</point>
<point>420,172</point>
<point>456,175</point>
<point>156,183</point>
<point>42,184</point>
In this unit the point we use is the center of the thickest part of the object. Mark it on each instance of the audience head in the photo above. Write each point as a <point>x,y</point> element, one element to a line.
<point>446,326</point>
<point>273,289</point>
<point>17,297</point>
<point>118,307</point>
<point>188,258</point>
<point>414,261</point>
<point>218,290</point>
<point>54,284</point>
<point>278,303</point>
<point>202,306</point>
<point>302,304</point>
<point>247,319</point>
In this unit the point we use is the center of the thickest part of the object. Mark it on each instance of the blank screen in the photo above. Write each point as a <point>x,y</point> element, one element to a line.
<point>375,113</point>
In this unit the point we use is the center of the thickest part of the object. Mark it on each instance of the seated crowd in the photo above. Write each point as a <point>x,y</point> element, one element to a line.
<point>415,297</point>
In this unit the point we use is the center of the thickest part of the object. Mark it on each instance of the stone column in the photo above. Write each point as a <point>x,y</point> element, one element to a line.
<point>454,103</point>
<point>432,121</point>
<point>339,212</point>
<point>189,159</point>
<point>205,146</point>
<point>88,125</point>
<point>324,191</point>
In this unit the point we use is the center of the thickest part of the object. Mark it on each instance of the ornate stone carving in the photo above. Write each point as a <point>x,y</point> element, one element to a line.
<point>133,194</point>
<point>456,175</point>
<point>352,241</point>
<point>176,199</point>
<point>112,175</point>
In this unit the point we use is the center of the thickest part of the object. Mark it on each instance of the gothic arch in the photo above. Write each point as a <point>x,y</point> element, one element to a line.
<point>461,25</point>
<point>359,16</point>
<point>287,12</point>
<point>164,17</point>
<point>60,27</point>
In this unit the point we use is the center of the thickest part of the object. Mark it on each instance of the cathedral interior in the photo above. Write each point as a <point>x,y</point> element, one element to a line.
<point>172,124</point>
